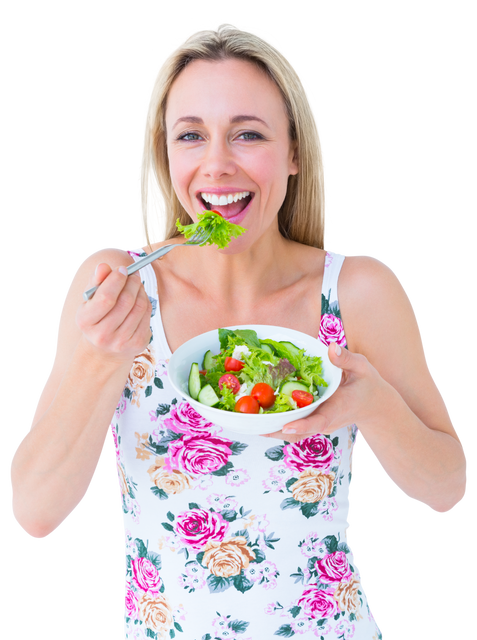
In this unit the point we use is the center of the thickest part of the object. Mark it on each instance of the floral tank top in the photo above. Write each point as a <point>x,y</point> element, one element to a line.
<point>232,536</point>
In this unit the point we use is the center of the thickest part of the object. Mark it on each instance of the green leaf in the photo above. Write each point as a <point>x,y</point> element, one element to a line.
<point>167,526</point>
<point>148,391</point>
<point>243,533</point>
<point>199,557</point>
<point>150,634</point>
<point>178,627</point>
<point>223,471</point>
<point>289,503</point>
<point>194,505</point>
<point>172,633</point>
<point>217,584</point>
<point>230,516</point>
<point>295,611</point>
<point>331,543</point>
<point>170,516</point>
<point>127,393</point>
<point>335,442</point>
<point>158,382</point>
<point>269,539</point>
<point>221,230</point>
<point>249,336</point>
<point>141,548</point>
<point>160,493</point>
<point>259,555</point>
<point>162,409</point>
<point>241,583</point>
<point>155,558</point>
<point>238,626</point>
<point>238,447</point>
<point>289,482</point>
<point>207,637</point>
<point>309,509</point>
<point>275,453</point>
<point>285,631</point>
<point>174,401</point>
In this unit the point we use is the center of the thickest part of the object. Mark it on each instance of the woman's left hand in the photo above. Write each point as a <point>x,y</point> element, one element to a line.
<point>361,396</point>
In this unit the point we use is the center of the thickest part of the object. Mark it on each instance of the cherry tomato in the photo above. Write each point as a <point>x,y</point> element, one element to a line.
<point>263,394</point>
<point>232,364</point>
<point>247,404</point>
<point>302,398</point>
<point>218,212</point>
<point>230,381</point>
<point>203,372</point>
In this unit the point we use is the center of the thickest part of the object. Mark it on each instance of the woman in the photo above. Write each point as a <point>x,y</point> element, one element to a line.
<point>233,536</point>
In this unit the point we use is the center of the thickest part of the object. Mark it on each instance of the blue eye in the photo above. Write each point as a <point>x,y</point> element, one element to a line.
<point>250,135</point>
<point>189,136</point>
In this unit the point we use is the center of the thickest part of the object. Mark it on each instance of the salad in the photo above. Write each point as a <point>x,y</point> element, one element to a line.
<point>222,230</point>
<point>251,375</point>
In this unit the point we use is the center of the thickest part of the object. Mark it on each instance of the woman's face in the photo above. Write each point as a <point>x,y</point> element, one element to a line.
<point>228,144</point>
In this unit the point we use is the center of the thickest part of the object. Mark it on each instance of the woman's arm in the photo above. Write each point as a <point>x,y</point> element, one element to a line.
<point>388,391</point>
<point>414,439</point>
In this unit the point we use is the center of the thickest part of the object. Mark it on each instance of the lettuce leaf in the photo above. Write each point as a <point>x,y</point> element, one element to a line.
<point>263,366</point>
<point>222,230</point>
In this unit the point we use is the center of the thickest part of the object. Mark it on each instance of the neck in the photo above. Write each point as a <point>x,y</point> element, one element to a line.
<point>239,279</point>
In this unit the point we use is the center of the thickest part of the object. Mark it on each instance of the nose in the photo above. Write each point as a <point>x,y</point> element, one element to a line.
<point>218,161</point>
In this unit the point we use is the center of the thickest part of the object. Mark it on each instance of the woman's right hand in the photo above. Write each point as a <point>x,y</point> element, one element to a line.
<point>115,321</point>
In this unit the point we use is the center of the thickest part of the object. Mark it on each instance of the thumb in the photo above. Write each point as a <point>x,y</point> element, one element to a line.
<point>338,355</point>
<point>351,363</point>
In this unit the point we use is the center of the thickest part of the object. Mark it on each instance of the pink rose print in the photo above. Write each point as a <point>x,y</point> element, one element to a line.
<point>333,568</point>
<point>197,526</point>
<point>315,452</point>
<point>236,477</point>
<point>131,604</point>
<point>121,408</point>
<point>318,603</point>
<point>301,625</point>
<point>183,418</point>
<point>273,484</point>
<point>331,330</point>
<point>116,442</point>
<point>328,260</point>
<point>199,454</point>
<point>145,575</point>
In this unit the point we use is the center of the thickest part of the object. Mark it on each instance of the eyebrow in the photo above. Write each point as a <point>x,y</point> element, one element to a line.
<point>234,120</point>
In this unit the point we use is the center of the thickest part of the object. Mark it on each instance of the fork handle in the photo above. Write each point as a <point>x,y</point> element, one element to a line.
<point>135,266</point>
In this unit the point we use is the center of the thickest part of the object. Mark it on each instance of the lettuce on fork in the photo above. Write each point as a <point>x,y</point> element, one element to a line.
<point>222,230</point>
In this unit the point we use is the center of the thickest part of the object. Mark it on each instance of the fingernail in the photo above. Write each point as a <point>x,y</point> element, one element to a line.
<point>337,349</point>
<point>96,270</point>
<point>286,430</point>
<point>123,270</point>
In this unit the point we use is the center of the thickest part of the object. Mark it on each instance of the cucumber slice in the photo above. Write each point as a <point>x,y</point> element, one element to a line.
<point>266,347</point>
<point>209,360</point>
<point>194,381</point>
<point>292,348</point>
<point>208,396</point>
<point>293,385</point>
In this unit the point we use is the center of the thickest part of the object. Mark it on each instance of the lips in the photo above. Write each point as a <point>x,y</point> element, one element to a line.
<point>236,209</point>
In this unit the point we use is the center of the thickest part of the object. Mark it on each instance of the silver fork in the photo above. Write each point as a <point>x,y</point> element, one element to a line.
<point>200,237</point>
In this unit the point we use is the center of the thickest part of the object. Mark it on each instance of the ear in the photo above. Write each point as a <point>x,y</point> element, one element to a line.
<point>293,166</point>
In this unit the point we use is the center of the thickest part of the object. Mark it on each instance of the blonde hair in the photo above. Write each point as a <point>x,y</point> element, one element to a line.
<point>301,216</point>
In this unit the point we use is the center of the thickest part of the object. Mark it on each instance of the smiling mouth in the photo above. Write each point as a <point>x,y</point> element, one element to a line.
<point>228,205</point>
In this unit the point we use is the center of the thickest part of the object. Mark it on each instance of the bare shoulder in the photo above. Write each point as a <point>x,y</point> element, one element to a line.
<point>375,309</point>
<point>114,257</point>
<point>364,276</point>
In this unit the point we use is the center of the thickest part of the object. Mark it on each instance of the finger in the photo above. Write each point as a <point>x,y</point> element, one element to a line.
<point>135,329</point>
<point>107,294</point>
<point>346,360</point>
<point>314,423</point>
<point>123,305</point>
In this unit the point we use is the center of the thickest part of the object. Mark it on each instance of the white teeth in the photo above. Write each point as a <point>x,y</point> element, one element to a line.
<point>213,198</point>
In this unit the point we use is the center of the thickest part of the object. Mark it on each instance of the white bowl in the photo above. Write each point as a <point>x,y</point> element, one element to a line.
<point>250,423</point>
